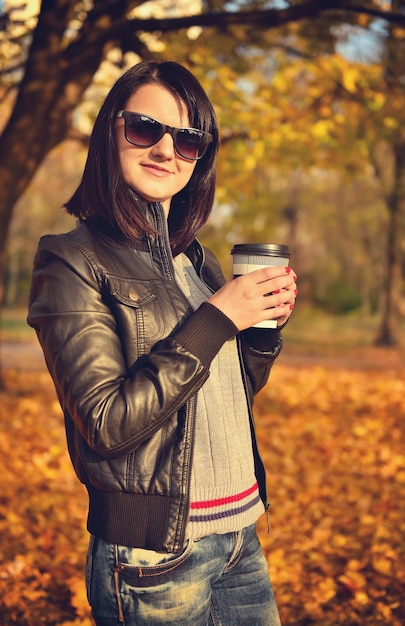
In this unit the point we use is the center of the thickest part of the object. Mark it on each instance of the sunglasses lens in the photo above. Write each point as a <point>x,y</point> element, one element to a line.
<point>143,131</point>
<point>190,143</point>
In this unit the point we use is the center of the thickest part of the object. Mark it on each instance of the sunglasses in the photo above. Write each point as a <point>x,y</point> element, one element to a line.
<point>143,131</point>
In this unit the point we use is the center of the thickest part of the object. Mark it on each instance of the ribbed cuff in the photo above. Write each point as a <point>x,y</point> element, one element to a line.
<point>205,331</point>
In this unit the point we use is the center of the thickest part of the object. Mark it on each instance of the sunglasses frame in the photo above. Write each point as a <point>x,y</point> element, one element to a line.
<point>172,130</point>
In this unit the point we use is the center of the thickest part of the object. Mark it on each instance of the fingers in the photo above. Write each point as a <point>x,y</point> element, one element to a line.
<point>280,302</point>
<point>269,280</point>
<point>264,294</point>
<point>267,273</point>
<point>286,307</point>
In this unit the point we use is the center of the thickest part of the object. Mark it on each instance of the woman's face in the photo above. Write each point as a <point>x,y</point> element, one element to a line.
<point>156,173</point>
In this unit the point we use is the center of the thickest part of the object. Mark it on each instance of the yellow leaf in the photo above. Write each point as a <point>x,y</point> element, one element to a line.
<point>400,477</point>
<point>349,79</point>
<point>321,129</point>
<point>390,122</point>
<point>353,580</point>
<point>250,162</point>
<point>326,590</point>
<point>339,540</point>
<point>362,597</point>
<point>382,565</point>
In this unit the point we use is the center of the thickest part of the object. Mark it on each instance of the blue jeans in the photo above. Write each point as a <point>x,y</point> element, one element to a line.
<point>217,580</point>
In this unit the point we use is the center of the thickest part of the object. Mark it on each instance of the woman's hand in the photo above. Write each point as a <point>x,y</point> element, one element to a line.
<point>265,294</point>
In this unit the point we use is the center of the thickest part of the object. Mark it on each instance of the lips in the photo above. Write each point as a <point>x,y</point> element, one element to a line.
<point>160,171</point>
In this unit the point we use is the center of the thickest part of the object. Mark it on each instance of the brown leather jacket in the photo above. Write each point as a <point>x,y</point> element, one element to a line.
<point>127,355</point>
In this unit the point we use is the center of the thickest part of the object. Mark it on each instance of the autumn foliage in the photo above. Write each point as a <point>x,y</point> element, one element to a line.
<point>333,442</point>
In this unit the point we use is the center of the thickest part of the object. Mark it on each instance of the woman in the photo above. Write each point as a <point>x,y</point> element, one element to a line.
<point>155,365</point>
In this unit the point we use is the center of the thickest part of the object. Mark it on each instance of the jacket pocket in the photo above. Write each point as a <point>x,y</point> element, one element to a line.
<point>137,308</point>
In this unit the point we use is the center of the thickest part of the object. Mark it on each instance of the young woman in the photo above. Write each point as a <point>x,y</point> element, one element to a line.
<point>155,365</point>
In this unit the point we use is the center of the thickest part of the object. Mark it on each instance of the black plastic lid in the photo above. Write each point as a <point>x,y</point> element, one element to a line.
<point>265,249</point>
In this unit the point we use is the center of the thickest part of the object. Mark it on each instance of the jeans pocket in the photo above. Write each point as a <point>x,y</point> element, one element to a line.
<point>141,568</point>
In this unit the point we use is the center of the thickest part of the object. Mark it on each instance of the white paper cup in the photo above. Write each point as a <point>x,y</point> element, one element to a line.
<point>248,257</point>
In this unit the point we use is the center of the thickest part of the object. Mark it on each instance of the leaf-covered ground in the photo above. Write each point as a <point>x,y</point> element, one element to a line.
<point>333,442</point>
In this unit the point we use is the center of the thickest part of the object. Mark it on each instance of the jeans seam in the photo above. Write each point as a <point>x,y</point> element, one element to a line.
<point>214,615</point>
<point>116,570</point>
<point>237,551</point>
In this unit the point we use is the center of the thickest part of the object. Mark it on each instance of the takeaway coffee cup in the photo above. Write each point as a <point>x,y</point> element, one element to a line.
<point>248,257</point>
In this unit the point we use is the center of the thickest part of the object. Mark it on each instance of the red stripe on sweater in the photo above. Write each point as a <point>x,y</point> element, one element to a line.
<point>206,504</point>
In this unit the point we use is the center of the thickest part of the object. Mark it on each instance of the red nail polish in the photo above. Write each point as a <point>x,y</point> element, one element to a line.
<point>276,291</point>
<point>288,269</point>
<point>295,292</point>
<point>291,307</point>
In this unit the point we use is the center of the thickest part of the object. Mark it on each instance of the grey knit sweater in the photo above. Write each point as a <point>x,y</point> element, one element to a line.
<point>224,494</point>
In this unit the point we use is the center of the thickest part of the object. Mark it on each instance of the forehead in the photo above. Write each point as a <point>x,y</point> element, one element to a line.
<point>159,103</point>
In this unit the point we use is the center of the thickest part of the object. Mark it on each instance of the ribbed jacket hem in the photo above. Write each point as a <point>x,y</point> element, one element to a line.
<point>129,519</point>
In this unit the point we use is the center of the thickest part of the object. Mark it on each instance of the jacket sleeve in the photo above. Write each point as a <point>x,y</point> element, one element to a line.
<point>260,348</point>
<point>115,408</point>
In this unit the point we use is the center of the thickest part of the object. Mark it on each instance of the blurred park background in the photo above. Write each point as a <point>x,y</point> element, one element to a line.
<point>310,97</point>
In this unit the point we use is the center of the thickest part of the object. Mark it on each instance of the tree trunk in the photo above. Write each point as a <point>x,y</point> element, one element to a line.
<point>388,333</point>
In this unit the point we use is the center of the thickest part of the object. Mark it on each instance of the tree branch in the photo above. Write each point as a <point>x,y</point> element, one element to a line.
<point>270,18</point>
<point>122,28</point>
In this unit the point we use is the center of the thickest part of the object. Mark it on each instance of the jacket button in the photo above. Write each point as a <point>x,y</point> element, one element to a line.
<point>133,295</point>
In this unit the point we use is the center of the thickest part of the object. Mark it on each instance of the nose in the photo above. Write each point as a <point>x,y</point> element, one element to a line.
<point>164,147</point>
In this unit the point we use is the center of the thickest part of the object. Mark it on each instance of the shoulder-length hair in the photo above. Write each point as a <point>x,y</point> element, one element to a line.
<point>103,193</point>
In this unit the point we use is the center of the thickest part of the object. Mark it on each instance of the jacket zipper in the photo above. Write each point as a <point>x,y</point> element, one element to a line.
<point>163,242</point>
<point>167,269</point>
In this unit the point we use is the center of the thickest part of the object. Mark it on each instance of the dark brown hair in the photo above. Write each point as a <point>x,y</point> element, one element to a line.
<point>103,193</point>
